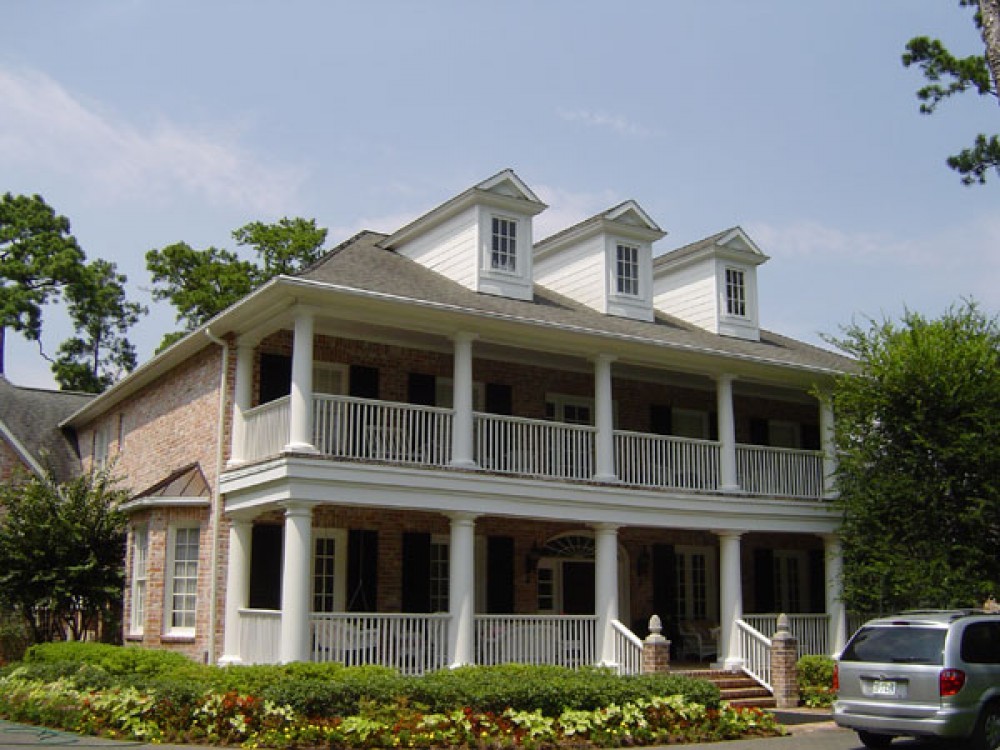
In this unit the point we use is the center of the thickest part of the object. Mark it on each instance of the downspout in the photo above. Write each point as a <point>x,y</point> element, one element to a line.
<point>213,607</point>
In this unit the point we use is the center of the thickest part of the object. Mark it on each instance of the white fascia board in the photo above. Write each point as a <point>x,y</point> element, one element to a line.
<point>261,487</point>
<point>22,452</point>
<point>145,503</point>
<point>607,223</point>
<point>508,175</point>
<point>633,207</point>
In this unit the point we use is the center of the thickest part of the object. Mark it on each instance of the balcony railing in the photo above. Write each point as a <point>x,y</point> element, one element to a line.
<point>567,641</point>
<point>365,429</point>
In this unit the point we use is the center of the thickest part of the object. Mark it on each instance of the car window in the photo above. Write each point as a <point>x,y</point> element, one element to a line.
<point>981,643</point>
<point>897,644</point>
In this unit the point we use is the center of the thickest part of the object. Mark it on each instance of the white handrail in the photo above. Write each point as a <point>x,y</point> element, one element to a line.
<point>534,446</point>
<point>666,461</point>
<point>411,643</point>
<point>260,634</point>
<point>811,630</point>
<point>266,431</point>
<point>628,649</point>
<point>563,640</point>
<point>763,470</point>
<point>754,649</point>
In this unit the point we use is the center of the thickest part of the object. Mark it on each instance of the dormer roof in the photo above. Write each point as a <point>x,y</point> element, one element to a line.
<point>504,190</point>
<point>732,244</point>
<point>627,219</point>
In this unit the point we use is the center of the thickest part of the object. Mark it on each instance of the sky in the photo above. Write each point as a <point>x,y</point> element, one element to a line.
<point>147,123</point>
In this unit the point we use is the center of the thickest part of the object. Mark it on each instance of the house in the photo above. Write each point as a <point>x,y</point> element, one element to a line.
<point>455,444</point>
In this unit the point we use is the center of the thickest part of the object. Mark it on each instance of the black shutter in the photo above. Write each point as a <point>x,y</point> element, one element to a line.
<point>364,381</point>
<point>499,575</point>
<point>362,571</point>
<point>810,437</point>
<point>265,567</point>
<point>661,421</point>
<point>665,587</point>
<point>760,434</point>
<point>275,376</point>
<point>421,389</point>
<point>416,572</point>
<point>763,576</point>
<point>499,399</point>
<point>713,425</point>
<point>817,581</point>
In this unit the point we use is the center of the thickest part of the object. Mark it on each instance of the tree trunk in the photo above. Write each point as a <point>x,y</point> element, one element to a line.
<point>989,10</point>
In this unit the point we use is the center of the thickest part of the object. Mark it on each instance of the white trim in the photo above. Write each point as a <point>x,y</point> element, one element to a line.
<point>145,503</point>
<point>339,537</point>
<point>170,578</point>
<point>139,568</point>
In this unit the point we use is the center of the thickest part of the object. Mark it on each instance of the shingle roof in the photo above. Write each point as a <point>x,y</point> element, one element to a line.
<point>32,416</point>
<point>362,263</point>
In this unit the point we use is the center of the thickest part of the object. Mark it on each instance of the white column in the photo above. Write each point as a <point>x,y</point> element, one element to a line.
<point>834,561</point>
<point>244,394</point>
<point>237,587</point>
<point>461,590</point>
<point>300,438</point>
<point>296,585</point>
<point>727,434</point>
<point>730,599</point>
<point>606,588</point>
<point>828,444</point>
<point>462,429</point>
<point>605,420</point>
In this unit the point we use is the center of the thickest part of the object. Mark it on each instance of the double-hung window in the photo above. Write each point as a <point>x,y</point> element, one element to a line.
<point>627,270</point>
<point>503,255</point>
<point>440,573</point>
<point>736,292</point>
<point>183,570</point>
<point>102,445</point>
<point>140,553</point>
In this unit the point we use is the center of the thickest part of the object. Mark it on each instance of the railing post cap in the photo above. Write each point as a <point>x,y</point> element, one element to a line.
<point>655,625</point>
<point>783,623</point>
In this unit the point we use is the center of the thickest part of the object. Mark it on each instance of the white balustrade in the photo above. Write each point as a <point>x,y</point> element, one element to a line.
<point>812,631</point>
<point>534,446</point>
<point>754,649</point>
<point>413,644</point>
<point>563,640</point>
<point>260,634</point>
<point>763,470</point>
<point>628,649</point>
<point>266,430</point>
<point>666,461</point>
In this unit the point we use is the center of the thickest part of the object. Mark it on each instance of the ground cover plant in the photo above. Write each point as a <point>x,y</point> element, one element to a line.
<point>157,696</point>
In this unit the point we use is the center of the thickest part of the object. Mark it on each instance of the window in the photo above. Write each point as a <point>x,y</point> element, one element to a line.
<point>546,592</point>
<point>627,270</point>
<point>102,444</point>
<point>329,565</point>
<point>736,292</point>
<point>140,553</point>
<point>503,256</point>
<point>440,567</point>
<point>695,581</point>
<point>444,394</point>
<point>329,378</point>
<point>569,409</point>
<point>690,423</point>
<point>789,568</point>
<point>183,572</point>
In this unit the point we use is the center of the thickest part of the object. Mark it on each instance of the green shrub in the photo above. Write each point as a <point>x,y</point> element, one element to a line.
<point>118,661</point>
<point>14,638</point>
<point>815,680</point>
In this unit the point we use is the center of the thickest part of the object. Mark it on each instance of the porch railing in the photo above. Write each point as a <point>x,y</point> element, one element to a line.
<point>754,649</point>
<point>534,446</point>
<point>763,470</point>
<point>812,631</point>
<point>260,634</point>
<point>568,641</point>
<point>628,649</point>
<point>266,431</point>
<point>664,461</point>
<point>413,644</point>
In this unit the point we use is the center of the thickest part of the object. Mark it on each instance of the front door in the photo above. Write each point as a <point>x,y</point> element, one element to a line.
<point>578,587</point>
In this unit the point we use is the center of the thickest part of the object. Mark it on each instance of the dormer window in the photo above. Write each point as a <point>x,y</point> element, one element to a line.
<point>736,292</point>
<point>503,256</point>
<point>627,270</point>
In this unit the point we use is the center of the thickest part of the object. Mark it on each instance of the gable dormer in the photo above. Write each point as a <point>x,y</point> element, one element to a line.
<point>481,238</point>
<point>712,284</point>
<point>604,262</point>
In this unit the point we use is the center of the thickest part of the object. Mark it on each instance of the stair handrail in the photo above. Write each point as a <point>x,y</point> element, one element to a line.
<point>755,651</point>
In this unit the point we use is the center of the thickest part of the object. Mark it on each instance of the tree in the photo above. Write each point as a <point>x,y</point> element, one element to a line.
<point>62,548</point>
<point>99,353</point>
<point>202,283</point>
<point>949,75</point>
<point>918,430</point>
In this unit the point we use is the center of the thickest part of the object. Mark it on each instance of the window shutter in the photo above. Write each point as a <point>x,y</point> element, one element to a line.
<point>364,382</point>
<point>660,421</point>
<point>817,581</point>
<point>759,432</point>
<point>499,399</point>
<point>665,587</point>
<point>810,437</point>
<point>713,425</point>
<point>265,567</point>
<point>421,389</point>
<point>499,575</point>
<point>362,571</point>
<point>275,377</point>
<point>763,569</point>
<point>416,572</point>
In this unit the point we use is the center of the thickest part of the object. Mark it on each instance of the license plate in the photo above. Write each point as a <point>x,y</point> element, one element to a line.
<point>884,687</point>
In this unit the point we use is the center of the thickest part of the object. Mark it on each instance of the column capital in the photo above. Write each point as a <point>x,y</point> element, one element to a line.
<point>605,527</point>
<point>464,336</point>
<point>247,341</point>
<point>608,358</point>
<point>297,507</point>
<point>462,516</point>
<point>729,533</point>
<point>724,377</point>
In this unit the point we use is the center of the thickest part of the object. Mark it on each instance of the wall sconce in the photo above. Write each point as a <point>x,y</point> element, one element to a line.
<point>531,558</point>
<point>642,562</point>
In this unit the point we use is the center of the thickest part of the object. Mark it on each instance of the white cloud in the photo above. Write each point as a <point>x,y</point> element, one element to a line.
<point>566,208</point>
<point>616,123</point>
<point>44,126</point>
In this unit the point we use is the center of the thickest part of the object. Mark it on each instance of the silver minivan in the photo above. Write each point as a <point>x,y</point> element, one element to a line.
<point>922,674</point>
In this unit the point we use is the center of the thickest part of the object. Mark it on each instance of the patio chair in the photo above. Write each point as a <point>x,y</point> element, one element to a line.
<point>699,638</point>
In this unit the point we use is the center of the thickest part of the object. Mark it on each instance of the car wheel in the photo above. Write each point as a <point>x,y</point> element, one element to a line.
<point>987,736</point>
<point>870,739</point>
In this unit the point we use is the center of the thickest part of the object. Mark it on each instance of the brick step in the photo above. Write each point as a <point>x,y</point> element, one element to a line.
<point>737,688</point>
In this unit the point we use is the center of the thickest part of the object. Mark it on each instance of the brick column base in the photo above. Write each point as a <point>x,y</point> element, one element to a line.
<point>655,649</point>
<point>784,666</point>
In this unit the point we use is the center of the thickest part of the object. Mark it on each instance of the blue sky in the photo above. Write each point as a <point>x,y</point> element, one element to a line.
<point>147,123</point>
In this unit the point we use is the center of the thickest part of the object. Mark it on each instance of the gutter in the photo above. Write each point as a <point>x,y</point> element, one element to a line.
<point>216,506</point>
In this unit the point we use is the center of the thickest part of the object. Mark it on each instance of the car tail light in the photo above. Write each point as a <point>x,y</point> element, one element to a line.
<point>951,681</point>
<point>836,678</point>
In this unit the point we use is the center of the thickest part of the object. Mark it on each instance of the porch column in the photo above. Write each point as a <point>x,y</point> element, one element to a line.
<point>730,599</point>
<point>300,438</point>
<point>727,434</point>
<point>295,584</point>
<point>237,587</point>
<point>243,388</point>
<point>461,590</point>
<point>462,429</point>
<point>828,444</point>
<point>834,559</point>
<point>605,420</point>
<point>606,588</point>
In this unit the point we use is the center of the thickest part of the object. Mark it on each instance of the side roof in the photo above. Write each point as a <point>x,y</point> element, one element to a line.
<point>29,421</point>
